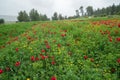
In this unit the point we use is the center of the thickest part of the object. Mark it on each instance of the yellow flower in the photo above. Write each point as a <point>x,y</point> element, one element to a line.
<point>28,78</point>
<point>59,51</point>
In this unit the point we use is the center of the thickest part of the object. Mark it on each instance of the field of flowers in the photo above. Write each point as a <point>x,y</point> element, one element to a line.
<point>60,50</point>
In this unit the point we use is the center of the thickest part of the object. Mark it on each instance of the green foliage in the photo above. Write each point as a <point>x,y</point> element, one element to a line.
<point>1,21</point>
<point>60,17</point>
<point>64,49</point>
<point>81,10</point>
<point>55,16</point>
<point>34,15</point>
<point>23,16</point>
<point>110,10</point>
<point>89,10</point>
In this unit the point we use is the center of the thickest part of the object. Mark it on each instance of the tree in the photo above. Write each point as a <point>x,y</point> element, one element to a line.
<point>113,9</point>
<point>55,16</point>
<point>81,10</point>
<point>26,17</point>
<point>23,16</point>
<point>34,15</point>
<point>77,13</point>
<point>2,21</point>
<point>89,10</point>
<point>60,17</point>
<point>43,17</point>
<point>20,16</point>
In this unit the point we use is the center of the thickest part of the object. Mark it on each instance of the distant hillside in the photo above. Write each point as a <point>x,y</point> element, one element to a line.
<point>8,18</point>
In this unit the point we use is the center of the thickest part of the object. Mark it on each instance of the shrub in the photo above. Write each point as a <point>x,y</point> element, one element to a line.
<point>1,21</point>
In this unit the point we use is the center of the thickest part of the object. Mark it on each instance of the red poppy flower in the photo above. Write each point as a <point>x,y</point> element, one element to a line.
<point>1,71</point>
<point>46,56</point>
<point>36,58</point>
<point>110,39</point>
<point>42,50</point>
<point>53,78</point>
<point>48,46</point>
<point>118,60</point>
<point>43,57</point>
<point>118,39</point>
<point>119,25</point>
<point>53,62</point>
<point>32,58</point>
<point>85,57</point>
<point>17,63</point>
<point>65,30</point>
<point>63,35</point>
<point>16,49</point>
<point>59,45</point>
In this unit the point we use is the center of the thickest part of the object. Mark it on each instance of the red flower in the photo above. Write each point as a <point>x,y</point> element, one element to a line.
<point>48,46</point>
<point>46,56</point>
<point>36,58</point>
<point>91,59</point>
<point>53,62</point>
<point>118,60</point>
<point>43,57</point>
<point>63,35</point>
<point>110,39</point>
<point>16,49</point>
<point>53,78</point>
<point>42,50</point>
<point>119,25</point>
<point>32,58</point>
<point>85,57</point>
<point>59,45</point>
<point>118,39</point>
<point>65,30</point>
<point>17,63</point>
<point>29,38</point>
<point>1,71</point>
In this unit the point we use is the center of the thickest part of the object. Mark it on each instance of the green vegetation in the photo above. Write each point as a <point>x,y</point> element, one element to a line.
<point>10,31</point>
<point>61,50</point>
<point>1,21</point>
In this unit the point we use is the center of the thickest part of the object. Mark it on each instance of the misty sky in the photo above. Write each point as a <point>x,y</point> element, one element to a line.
<point>65,7</point>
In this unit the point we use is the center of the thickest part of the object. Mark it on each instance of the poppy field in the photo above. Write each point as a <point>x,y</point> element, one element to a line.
<point>60,50</point>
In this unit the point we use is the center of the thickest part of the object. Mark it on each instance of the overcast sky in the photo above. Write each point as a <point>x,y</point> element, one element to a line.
<point>65,7</point>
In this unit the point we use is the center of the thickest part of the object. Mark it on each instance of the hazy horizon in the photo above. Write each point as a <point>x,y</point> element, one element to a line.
<point>66,8</point>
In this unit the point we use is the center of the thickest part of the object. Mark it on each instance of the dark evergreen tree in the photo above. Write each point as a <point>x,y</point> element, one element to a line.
<point>23,16</point>
<point>89,10</point>
<point>55,16</point>
<point>34,15</point>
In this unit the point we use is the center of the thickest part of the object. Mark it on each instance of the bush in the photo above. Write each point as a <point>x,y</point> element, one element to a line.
<point>1,21</point>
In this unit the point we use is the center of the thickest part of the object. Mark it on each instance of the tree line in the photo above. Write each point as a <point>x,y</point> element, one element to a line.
<point>89,11</point>
<point>33,16</point>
